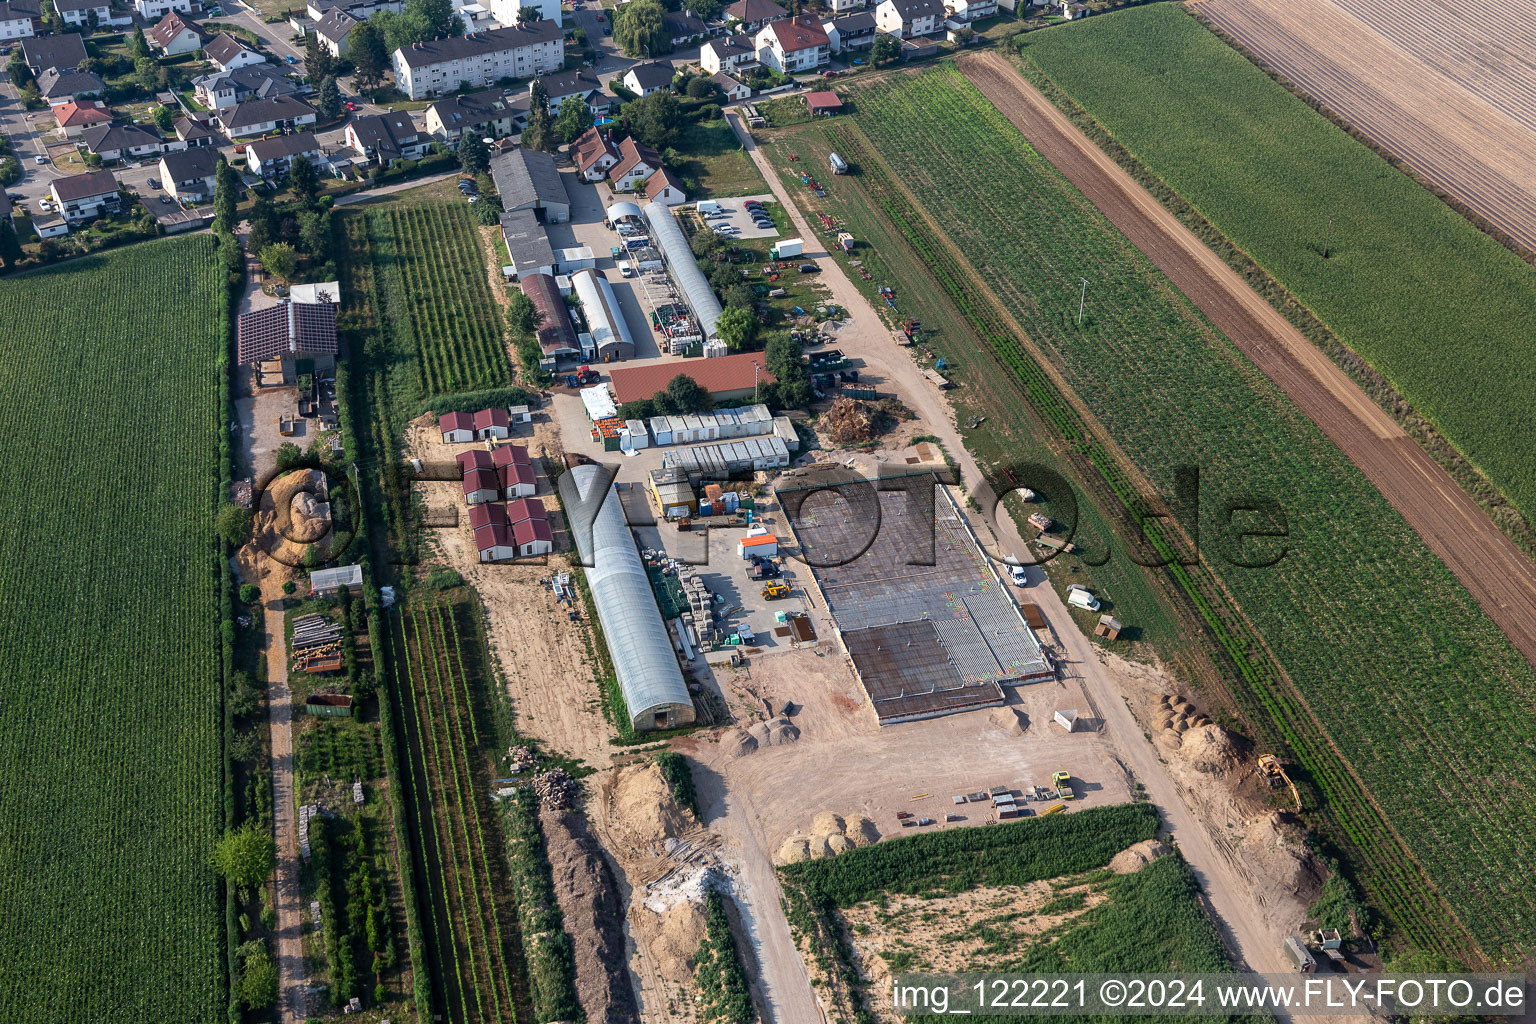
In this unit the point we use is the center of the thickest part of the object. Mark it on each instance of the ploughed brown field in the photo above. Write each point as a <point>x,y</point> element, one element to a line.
<point>1450,90</point>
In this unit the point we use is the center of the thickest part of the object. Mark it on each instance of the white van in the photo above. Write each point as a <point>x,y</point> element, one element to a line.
<point>1083,599</point>
<point>708,207</point>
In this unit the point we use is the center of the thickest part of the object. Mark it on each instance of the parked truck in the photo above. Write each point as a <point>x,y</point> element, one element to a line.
<point>1299,956</point>
<point>787,248</point>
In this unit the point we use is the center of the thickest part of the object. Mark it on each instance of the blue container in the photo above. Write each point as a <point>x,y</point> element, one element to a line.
<point>706,508</point>
<point>730,502</point>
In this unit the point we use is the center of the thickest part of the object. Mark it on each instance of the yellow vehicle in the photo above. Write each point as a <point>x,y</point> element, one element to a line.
<point>775,590</point>
<point>1053,810</point>
<point>1063,783</point>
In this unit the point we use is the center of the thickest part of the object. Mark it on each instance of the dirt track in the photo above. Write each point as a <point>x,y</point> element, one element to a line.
<point>1496,573</point>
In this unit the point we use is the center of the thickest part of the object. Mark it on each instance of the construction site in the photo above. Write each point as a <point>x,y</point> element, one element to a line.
<point>929,625</point>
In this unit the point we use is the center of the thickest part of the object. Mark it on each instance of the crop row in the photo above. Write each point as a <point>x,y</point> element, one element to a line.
<point>1357,596</point>
<point>456,320</point>
<point>110,723</point>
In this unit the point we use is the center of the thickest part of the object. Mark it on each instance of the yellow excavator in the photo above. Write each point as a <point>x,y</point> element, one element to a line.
<point>1273,773</point>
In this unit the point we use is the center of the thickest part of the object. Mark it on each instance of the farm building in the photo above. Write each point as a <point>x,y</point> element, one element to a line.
<point>725,378</point>
<point>611,340</point>
<point>456,427</point>
<point>684,268</point>
<point>329,582</point>
<point>517,480</point>
<point>531,534</point>
<point>672,493</point>
<point>493,533</point>
<point>481,486</point>
<point>648,674</point>
<point>528,180</point>
<point>291,332</point>
<point>557,336</point>
<point>491,423</point>
<point>823,104</point>
<point>728,457</point>
<point>528,248</point>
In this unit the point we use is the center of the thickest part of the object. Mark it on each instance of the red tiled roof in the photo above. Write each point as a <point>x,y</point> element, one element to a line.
<point>487,515</point>
<point>527,530</point>
<point>455,421</point>
<point>475,458</point>
<point>632,153</point>
<point>726,373</point>
<point>658,181</point>
<point>481,480</point>
<point>823,101</point>
<point>590,148</point>
<point>492,418</point>
<point>516,473</point>
<point>802,33</point>
<point>505,454</point>
<point>520,509</point>
<point>68,115</point>
<point>495,535</point>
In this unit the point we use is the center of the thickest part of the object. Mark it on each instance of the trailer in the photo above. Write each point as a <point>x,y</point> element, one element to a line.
<point>1299,956</point>
<point>839,166</point>
<point>845,242</point>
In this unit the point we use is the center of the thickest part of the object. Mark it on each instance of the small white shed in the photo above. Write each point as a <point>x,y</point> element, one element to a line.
<point>1067,719</point>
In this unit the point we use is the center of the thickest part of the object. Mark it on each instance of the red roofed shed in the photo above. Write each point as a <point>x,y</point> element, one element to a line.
<point>724,377</point>
<point>823,104</point>
<point>456,427</point>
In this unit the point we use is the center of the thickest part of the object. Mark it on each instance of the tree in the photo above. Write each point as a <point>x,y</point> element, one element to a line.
<point>315,234</point>
<point>257,987</point>
<point>639,28</point>
<point>144,69</point>
<point>886,48</point>
<point>575,118</point>
<point>705,242</point>
<point>523,317</point>
<point>245,856</point>
<point>319,64</point>
<point>365,49</point>
<point>138,46</point>
<point>655,119</point>
<point>330,98</point>
<point>280,260</point>
<point>303,180</point>
<point>226,190</point>
<point>233,524</point>
<point>10,245</point>
<point>474,157</point>
<point>737,327</point>
<point>16,67</point>
<point>537,135</point>
<point>683,395</point>
<point>164,119</point>
<point>289,587</point>
<point>250,593</point>
<point>740,295</point>
<point>699,87</point>
<point>264,225</point>
<point>527,14</point>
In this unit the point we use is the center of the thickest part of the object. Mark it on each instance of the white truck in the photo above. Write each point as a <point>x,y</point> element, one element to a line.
<point>787,248</point>
<point>1079,596</point>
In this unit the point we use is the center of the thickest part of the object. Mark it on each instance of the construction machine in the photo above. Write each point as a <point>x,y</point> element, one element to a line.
<point>776,590</point>
<point>1274,773</point>
<point>1063,783</point>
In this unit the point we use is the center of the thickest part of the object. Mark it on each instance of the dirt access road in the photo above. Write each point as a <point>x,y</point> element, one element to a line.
<point>1486,562</point>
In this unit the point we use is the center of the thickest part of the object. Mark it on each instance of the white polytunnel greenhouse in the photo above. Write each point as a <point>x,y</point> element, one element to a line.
<point>683,266</point>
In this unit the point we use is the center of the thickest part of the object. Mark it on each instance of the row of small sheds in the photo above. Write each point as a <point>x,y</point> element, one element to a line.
<point>727,457</point>
<point>485,425</point>
<point>504,472</point>
<point>518,529</point>
<point>749,421</point>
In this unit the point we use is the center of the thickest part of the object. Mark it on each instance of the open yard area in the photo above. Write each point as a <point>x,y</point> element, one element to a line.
<point>1439,308</point>
<point>110,704</point>
<point>713,157</point>
<point>1163,385</point>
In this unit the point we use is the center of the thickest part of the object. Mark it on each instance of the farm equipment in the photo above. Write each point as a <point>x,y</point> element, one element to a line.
<point>775,590</point>
<point>1053,810</point>
<point>1063,783</point>
<point>615,251</point>
<point>1274,774</point>
<point>845,242</point>
<point>913,329</point>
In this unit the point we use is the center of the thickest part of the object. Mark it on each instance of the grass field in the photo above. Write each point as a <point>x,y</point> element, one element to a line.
<point>1438,307</point>
<point>109,706</point>
<point>1357,597</point>
<point>712,156</point>
<point>469,917</point>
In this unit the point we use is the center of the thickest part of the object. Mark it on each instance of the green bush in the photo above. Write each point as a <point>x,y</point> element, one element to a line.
<point>675,769</point>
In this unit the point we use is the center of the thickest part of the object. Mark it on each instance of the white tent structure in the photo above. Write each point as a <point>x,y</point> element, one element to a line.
<point>619,211</point>
<point>642,652</point>
<point>683,266</point>
<point>605,318</point>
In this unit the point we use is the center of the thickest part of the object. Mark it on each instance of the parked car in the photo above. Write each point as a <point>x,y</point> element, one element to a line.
<point>290,59</point>
<point>166,199</point>
<point>154,183</point>
<point>626,271</point>
<point>40,159</point>
<point>351,105</point>
<point>809,268</point>
<point>1018,575</point>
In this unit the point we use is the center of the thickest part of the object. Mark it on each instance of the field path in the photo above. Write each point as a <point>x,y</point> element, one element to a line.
<point>290,922</point>
<point>1486,562</point>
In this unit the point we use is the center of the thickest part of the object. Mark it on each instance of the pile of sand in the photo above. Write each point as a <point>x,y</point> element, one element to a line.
<point>309,519</point>
<point>775,732</point>
<point>1276,849</point>
<point>1175,717</point>
<point>642,806</point>
<point>1133,858</point>
<point>830,834</point>
<point>1210,749</point>
<point>675,942</point>
<point>1011,720</point>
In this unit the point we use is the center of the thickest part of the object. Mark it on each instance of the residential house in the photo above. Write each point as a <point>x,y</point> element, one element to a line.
<point>258,117</point>
<point>194,134</point>
<point>730,55</point>
<point>228,53</point>
<point>479,60</point>
<point>530,528</point>
<point>332,30</point>
<point>456,427</point>
<point>594,154</point>
<point>60,87</point>
<point>16,22</point>
<point>64,52</point>
<point>80,197</point>
<point>74,118</point>
<point>87,14</point>
<point>48,225</point>
<point>750,15</point>
<point>843,6</point>
<point>257,82</point>
<point>732,89</point>
<point>154,10</point>
<point>906,19</point>
<point>362,10</point>
<point>970,10</point>
<point>188,174</point>
<point>272,157</point>
<point>636,162</point>
<point>652,76</point>
<point>492,423</point>
<point>684,28</point>
<point>1072,11</point>
<point>515,469</point>
<point>481,486</point>
<point>579,83</point>
<point>383,139</point>
<point>483,113</point>
<point>173,35</point>
<point>505,11</point>
<point>529,180</point>
<point>851,31</point>
<point>288,332</point>
<point>113,142</point>
<point>662,188</point>
<point>794,45</point>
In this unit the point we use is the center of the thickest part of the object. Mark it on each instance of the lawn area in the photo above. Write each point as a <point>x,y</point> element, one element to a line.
<point>783,111</point>
<point>1354,595</point>
<point>1439,308</point>
<point>110,713</point>
<point>715,160</point>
